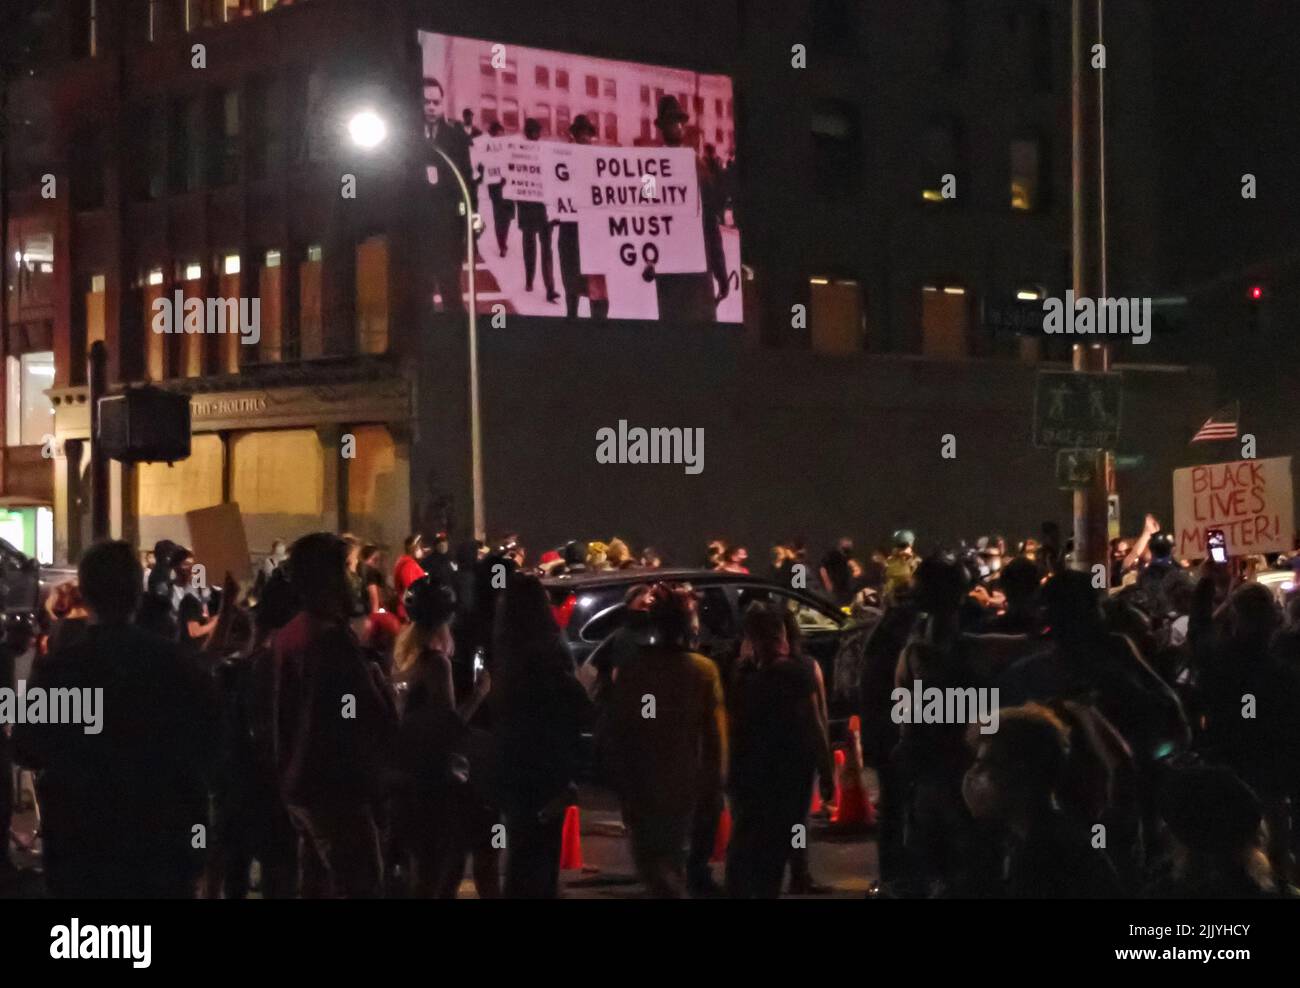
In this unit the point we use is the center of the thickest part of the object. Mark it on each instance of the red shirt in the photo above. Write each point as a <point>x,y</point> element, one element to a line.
<point>406,572</point>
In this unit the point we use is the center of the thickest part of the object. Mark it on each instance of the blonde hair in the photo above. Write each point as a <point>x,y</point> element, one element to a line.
<point>407,649</point>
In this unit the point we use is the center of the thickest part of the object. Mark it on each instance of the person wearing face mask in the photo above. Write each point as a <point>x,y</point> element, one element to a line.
<point>1011,790</point>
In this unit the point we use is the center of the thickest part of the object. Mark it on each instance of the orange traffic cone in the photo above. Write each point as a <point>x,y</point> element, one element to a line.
<point>853,808</point>
<point>723,836</point>
<point>571,848</point>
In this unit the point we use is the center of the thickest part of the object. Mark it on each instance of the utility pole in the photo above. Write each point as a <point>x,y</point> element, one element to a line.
<point>1087,173</point>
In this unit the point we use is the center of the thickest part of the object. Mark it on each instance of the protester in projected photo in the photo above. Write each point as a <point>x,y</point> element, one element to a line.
<point>690,298</point>
<point>503,209</point>
<point>535,226</point>
<point>665,766</point>
<point>444,200</point>
<point>539,715</point>
<point>440,816</point>
<point>331,767</point>
<point>576,284</point>
<point>118,807</point>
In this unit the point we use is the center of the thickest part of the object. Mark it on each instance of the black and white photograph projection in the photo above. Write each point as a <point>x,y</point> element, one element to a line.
<point>605,188</point>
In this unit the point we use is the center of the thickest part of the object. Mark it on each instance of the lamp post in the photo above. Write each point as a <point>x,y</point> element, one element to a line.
<point>368,131</point>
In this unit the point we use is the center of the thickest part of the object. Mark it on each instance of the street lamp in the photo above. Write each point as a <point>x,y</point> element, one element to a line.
<point>368,131</point>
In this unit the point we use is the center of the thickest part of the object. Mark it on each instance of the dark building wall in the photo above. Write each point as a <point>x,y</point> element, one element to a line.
<point>794,443</point>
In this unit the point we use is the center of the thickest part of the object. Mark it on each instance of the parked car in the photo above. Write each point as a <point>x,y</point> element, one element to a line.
<point>590,606</point>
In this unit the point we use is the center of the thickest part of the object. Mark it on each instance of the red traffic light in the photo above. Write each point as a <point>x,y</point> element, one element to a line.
<point>1256,292</point>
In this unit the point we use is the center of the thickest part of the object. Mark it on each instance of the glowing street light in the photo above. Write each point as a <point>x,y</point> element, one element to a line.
<point>367,129</point>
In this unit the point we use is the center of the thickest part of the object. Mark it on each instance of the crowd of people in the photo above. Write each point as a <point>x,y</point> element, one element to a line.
<point>339,728</point>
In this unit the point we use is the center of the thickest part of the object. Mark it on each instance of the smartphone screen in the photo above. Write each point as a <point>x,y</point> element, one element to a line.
<point>1217,544</point>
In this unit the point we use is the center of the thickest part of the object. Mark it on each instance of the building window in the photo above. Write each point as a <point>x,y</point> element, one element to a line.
<point>372,295</point>
<point>562,79</point>
<point>188,153</point>
<point>30,415</point>
<point>487,111</point>
<point>953,38</point>
<point>837,148</point>
<point>945,321</point>
<point>1026,172</point>
<point>226,160</point>
<point>562,121</point>
<point>647,130</point>
<point>645,95</point>
<point>834,26</point>
<point>611,128</point>
<point>270,289</point>
<point>943,154</point>
<point>87,164</point>
<point>486,67</point>
<point>92,28</point>
<point>542,77</point>
<point>835,315</point>
<point>593,86</point>
<point>610,89</point>
<point>310,342</point>
<point>542,114</point>
<point>510,74</point>
<point>265,102</point>
<point>510,115</point>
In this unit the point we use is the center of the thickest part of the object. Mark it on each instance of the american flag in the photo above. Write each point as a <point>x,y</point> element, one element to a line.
<point>1221,425</point>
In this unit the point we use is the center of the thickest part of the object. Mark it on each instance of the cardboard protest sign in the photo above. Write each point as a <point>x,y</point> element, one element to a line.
<point>1251,500</point>
<point>639,207</point>
<point>522,167</point>
<point>219,543</point>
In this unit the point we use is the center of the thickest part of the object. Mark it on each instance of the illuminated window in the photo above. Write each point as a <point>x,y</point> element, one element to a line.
<point>230,264</point>
<point>1025,173</point>
<point>193,271</point>
<point>372,295</point>
<point>835,315</point>
<point>310,342</point>
<point>942,154</point>
<point>945,317</point>
<point>30,415</point>
<point>270,289</point>
<point>155,276</point>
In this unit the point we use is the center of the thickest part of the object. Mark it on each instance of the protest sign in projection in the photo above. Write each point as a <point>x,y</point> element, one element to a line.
<point>487,154</point>
<point>639,207</point>
<point>522,168</point>
<point>559,181</point>
<point>1250,500</point>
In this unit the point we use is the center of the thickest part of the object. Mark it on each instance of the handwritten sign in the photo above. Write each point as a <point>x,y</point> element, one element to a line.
<point>1251,500</point>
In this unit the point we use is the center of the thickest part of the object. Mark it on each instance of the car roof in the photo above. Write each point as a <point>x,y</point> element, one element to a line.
<point>628,577</point>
